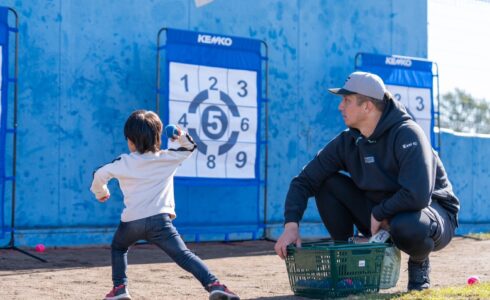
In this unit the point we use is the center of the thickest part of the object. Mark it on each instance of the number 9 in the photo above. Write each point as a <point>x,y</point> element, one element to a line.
<point>241,158</point>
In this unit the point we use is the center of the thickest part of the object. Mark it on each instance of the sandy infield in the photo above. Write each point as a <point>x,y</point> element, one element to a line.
<point>250,268</point>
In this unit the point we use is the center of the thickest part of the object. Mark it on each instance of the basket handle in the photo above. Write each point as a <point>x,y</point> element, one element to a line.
<point>361,251</point>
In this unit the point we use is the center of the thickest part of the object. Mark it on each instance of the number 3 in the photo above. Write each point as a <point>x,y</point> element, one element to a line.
<point>243,86</point>
<point>420,106</point>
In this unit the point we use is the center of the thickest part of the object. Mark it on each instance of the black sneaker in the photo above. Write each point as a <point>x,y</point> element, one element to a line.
<point>418,275</point>
<point>218,291</point>
<point>119,292</point>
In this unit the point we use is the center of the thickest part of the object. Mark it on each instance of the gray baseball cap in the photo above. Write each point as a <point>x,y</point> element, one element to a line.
<point>367,84</point>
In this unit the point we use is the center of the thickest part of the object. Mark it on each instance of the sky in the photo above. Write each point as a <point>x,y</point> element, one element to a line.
<point>459,42</point>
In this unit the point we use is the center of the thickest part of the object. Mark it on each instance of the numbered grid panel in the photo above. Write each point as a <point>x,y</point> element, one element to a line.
<point>218,107</point>
<point>418,102</point>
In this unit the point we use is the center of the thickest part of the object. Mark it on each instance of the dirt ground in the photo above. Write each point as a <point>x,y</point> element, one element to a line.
<point>249,268</point>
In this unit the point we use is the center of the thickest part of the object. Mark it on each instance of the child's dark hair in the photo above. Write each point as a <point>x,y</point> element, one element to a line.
<point>144,129</point>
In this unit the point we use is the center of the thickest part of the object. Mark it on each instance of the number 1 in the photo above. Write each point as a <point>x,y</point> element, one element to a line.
<point>184,78</point>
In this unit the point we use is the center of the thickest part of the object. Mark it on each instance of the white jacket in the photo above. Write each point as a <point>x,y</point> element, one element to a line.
<point>146,180</point>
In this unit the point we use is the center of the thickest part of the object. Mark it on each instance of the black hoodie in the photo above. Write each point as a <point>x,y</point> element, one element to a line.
<point>396,168</point>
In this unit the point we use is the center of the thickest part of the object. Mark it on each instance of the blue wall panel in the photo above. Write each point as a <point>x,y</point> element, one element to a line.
<point>466,161</point>
<point>85,66</point>
<point>38,159</point>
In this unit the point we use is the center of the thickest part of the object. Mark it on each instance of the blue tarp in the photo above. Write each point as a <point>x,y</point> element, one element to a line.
<point>216,200</point>
<point>413,73</point>
<point>398,70</point>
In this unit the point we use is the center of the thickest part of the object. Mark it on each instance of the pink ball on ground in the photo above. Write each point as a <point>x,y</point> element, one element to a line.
<point>473,280</point>
<point>40,248</point>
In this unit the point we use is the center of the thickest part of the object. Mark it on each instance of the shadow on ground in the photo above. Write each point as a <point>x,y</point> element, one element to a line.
<point>70,258</point>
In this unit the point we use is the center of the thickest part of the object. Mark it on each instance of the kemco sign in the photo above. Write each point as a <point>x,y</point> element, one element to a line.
<point>398,61</point>
<point>214,40</point>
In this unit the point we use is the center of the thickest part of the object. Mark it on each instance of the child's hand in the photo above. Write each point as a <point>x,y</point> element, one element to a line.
<point>104,199</point>
<point>172,132</point>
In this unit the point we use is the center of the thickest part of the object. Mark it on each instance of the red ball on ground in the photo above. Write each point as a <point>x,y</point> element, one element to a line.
<point>473,280</point>
<point>40,248</point>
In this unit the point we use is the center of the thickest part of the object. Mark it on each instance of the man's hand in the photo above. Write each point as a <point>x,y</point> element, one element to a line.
<point>377,225</point>
<point>104,199</point>
<point>290,235</point>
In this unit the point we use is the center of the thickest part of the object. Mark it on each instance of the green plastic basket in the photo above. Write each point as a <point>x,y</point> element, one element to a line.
<point>328,270</point>
<point>390,273</point>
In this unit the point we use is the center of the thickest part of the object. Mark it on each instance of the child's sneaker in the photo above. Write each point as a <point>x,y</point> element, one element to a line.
<point>118,293</point>
<point>218,291</point>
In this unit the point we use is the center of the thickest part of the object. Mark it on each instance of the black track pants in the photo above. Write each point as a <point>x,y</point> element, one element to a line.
<point>342,204</point>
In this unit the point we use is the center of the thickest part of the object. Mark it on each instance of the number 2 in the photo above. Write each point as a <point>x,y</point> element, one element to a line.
<point>213,85</point>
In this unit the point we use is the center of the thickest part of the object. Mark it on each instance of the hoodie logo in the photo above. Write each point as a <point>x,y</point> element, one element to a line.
<point>412,144</point>
<point>369,159</point>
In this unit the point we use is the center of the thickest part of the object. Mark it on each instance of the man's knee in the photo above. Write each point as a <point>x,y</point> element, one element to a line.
<point>406,228</point>
<point>410,233</point>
